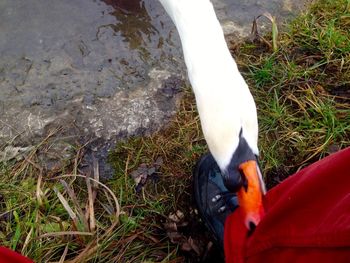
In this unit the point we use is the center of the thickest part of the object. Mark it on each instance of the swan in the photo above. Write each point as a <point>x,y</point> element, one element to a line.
<point>225,104</point>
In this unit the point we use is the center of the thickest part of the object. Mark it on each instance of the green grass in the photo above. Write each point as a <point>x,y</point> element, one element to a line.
<point>301,86</point>
<point>303,114</point>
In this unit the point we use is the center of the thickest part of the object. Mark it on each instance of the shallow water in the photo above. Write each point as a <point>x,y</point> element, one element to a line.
<point>99,63</point>
<point>78,48</point>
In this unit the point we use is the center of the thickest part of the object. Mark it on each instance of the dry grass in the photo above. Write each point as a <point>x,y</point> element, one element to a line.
<point>69,215</point>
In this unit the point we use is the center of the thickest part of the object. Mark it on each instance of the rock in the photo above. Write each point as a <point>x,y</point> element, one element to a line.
<point>18,153</point>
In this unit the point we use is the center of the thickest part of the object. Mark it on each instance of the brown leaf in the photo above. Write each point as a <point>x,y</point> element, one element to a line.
<point>175,237</point>
<point>186,247</point>
<point>194,246</point>
<point>170,227</point>
<point>177,216</point>
<point>158,162</point>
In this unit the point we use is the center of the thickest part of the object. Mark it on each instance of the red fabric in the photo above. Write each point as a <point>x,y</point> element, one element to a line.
<point>9,256</point>
<point>307,219</point>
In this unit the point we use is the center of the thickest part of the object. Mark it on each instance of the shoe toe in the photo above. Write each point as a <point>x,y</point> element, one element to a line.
<point>213,200</point>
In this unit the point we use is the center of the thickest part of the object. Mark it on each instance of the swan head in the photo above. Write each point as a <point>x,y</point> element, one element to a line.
<point>242,175</point>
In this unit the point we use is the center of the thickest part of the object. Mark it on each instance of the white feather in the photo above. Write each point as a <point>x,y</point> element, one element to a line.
<point>224,102</point>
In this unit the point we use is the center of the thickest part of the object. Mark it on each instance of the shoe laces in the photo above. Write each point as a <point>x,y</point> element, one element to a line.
<point>225,197</point>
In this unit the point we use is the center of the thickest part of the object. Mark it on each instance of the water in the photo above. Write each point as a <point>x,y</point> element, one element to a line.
<point>79,48</point>
<point>98,63</point>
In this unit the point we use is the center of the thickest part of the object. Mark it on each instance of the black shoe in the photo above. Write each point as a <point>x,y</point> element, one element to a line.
<point>213,200</point>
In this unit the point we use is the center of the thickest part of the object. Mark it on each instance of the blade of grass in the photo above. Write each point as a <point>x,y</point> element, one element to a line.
<point>91,211</point>
<point>117,206</point>
<point>63,257</point>
<point>65,233</point>
<point>66,206</point>
<point>75,201</point>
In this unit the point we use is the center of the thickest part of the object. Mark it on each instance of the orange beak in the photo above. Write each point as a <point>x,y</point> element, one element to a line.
<point>250,195</point>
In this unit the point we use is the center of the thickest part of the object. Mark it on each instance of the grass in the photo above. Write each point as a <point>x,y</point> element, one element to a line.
<point>300,79</point>
<point>303,113</point>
